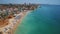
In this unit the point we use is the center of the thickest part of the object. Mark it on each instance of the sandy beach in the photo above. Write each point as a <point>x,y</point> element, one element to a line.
<point>13,23</point>
<point>22,14</point>
<point>11,16</point>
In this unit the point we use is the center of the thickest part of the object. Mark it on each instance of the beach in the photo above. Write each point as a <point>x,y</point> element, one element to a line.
<point>14,22</point>
<point>21,15</point>
<point>11,16</point>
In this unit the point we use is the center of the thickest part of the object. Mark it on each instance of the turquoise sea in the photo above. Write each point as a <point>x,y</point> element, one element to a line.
<point>43,20</point>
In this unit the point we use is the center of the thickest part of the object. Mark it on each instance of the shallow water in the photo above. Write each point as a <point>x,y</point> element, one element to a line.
<point>44,20</point>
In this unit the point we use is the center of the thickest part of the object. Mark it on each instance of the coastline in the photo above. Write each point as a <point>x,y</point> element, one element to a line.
<point>14,13</point>
<point>24,13</point>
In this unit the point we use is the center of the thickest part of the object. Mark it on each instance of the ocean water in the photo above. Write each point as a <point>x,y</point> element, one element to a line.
<point>43,20</point>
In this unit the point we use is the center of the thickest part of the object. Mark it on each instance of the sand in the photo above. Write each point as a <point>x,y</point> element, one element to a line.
<point>12,26</point>
<point>18,21</point>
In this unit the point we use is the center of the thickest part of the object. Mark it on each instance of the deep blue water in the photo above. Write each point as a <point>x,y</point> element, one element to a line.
<point>43,20</point>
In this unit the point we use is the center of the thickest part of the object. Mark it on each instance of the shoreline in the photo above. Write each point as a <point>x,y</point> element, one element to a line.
<point>14,22</point>
<point>24,13</point>
<point>15,14</point>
